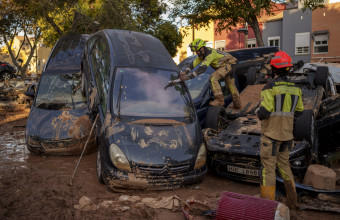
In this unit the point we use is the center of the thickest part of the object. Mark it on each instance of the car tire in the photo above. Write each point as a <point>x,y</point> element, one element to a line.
<point>305,127</point>
<point>321,78</point>
<point>6,75</point>
<point>216,117</point>
<point>33,150</point>
<point>251,75</point>
<point>83,84</point>
<point>99,168</point>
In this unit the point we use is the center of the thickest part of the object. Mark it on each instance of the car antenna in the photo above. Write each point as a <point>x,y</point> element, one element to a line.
<point>119,96</point>
<point>81,155</point>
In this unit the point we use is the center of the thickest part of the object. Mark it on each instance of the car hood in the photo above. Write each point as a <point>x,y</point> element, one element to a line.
<point>58,124</point>
<point>146,142</point>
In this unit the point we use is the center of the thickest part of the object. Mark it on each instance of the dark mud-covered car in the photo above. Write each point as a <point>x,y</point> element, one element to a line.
<point>234,151</point>
<point>59,122</point>
<point>200,89</point>
<point>7,71</point>
<point>148,134</point>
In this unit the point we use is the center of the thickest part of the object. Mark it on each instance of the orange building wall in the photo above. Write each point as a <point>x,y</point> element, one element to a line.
<point>327,18</point>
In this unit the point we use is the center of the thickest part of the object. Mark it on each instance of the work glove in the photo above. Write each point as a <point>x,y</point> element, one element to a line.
<point>184,77</point>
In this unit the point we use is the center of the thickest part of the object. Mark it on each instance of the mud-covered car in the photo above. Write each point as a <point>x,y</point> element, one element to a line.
<point>234,151</point>
<point>7,71</point>
<point>200,89</point>
<point>59,122</point>
<point>148,134</point>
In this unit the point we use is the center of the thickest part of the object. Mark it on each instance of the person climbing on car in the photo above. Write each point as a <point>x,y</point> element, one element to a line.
<point>281,101</point>
<point>223,63</point>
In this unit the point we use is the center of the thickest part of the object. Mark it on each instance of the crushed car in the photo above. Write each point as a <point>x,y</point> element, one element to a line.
<point>148,134</point>
<point>199,86</point>
<point>59,122</point>
<point>234,151</point>
<point>12,97</point>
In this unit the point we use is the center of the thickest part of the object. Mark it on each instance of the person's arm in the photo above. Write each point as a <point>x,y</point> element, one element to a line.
<point>201,69</point>
<point>267,105</point>
<point>299,106</point>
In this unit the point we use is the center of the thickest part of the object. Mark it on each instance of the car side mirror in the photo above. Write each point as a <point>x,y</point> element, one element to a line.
<point>30,93</point>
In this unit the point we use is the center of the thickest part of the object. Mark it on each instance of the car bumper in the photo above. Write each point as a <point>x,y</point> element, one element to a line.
<point>118,180</point>
<point>61,147</point>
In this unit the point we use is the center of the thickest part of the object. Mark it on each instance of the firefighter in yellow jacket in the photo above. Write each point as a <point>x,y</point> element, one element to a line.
<point>281,101</point>
<point>222,63</point>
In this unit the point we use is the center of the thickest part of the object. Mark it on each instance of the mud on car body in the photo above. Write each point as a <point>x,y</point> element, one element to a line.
<point>59,121</point>
<point>148,135</point>
<point>200,89</point>
<point>234,151</point>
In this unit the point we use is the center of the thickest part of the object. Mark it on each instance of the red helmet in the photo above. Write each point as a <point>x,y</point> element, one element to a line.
<point>280,60</point>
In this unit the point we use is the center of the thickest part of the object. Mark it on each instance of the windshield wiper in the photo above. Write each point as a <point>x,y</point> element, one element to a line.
<point>119,97</point>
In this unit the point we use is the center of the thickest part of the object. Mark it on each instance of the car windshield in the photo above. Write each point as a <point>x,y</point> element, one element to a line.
<point>59,91</point>
<point>197,84</point>
<point>144,92</point>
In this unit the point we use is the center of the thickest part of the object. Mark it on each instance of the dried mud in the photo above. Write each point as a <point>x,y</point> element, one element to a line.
<point>37,187</point>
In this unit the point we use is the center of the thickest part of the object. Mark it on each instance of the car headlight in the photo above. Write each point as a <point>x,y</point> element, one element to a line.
<point>201,157</point>
<point>119,159</point>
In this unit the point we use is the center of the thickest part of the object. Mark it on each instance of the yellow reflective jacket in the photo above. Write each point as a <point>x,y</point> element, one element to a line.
<point>213,58</point>
<point>280,101</point>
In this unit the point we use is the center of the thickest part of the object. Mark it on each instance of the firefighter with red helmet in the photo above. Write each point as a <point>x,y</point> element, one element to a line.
<point>223,64</point>
<point>281,101</point>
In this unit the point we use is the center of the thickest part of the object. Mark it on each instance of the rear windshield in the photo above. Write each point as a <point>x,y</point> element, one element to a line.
<point>66,54</point>
<point>144,92</point>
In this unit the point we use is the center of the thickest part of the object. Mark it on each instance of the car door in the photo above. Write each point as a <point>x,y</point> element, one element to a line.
<point>100,69</point>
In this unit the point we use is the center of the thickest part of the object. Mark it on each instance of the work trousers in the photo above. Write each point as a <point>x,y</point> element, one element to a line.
<point>275,153</point>
<point>225,71</point>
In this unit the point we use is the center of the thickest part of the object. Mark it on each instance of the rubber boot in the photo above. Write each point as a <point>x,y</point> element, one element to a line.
<point>219,101</point>
<point>291,194</point>
<point>268,192</point>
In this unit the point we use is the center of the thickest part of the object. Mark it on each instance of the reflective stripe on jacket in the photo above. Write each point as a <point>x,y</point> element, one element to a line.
<point>280,99</point>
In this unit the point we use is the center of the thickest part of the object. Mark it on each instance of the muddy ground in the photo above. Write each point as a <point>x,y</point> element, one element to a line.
<point>37,187</point>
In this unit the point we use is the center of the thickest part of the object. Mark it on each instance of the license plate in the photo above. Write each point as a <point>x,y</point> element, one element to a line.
<point>240,170</point>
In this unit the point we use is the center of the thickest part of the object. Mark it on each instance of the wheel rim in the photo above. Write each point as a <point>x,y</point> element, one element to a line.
<point>99,165</point>
<point>6,75</point>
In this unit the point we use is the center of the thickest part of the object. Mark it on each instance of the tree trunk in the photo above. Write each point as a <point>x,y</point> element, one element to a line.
<point>255,26</point>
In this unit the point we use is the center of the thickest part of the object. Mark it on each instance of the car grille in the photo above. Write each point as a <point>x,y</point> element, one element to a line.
<point>59,144</point>
<point>163,170</point>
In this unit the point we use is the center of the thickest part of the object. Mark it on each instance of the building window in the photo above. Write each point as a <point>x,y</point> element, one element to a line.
<point>321,43</point>
<point>251,42</point>
<point>274,41</point>
<point>220,45</point>
<point>302,43</point>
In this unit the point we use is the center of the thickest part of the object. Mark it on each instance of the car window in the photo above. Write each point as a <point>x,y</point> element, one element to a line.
<point>100,64</point>
<point>144,92</point>
<point>59,91</point>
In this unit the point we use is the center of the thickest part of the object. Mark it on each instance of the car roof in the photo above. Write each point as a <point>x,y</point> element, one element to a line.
<point>67,53</point>
<point>139,50</point>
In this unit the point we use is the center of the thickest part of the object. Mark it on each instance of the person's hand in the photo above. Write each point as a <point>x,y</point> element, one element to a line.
<point>182,73</point>
<point>183,77</point>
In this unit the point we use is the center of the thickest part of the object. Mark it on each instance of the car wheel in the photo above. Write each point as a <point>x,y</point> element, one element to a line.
<point>321,78</point>
<point>33,150</point>
<point>83,84</point>
<point>99,168</point>
<point>305,127</point>
<point>251,75</point>
<point>6,75</point>
<point>216,118</point>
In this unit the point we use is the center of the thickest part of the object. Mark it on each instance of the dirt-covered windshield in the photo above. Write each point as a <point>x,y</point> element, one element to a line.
<point>144,92</point>
<point>60,91</point>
